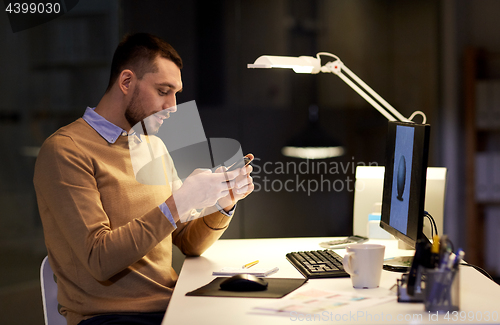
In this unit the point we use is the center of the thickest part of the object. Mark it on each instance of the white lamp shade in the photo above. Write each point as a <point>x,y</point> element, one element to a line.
<point>302,64</point>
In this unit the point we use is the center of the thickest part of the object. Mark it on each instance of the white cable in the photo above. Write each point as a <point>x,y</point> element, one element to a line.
<point>327,54</point>
<point>424,118</point>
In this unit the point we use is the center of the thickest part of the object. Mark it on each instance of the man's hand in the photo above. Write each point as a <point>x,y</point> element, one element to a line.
<point>202,189</point>
<point>239,189</point>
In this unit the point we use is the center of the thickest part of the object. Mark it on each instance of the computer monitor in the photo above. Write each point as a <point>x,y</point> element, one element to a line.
<point>404,181</point>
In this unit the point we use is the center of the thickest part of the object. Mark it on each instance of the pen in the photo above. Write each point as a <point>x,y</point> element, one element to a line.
<point>246,266</point>
<point>459,257</point>
<point>451,261</point>
<point>435,251</point>
<point>445,259</point>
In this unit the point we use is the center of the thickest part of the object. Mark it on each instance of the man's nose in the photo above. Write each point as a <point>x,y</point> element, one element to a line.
<point>171,106</point>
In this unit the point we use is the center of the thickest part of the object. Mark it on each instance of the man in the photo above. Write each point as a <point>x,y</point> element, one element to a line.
<point>109,237</point>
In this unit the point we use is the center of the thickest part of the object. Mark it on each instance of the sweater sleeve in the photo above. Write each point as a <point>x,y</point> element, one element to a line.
<point>67,190</point>
<point>196,236</point>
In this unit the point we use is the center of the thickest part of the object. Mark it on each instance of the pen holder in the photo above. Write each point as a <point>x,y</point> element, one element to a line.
<point>442,290</point>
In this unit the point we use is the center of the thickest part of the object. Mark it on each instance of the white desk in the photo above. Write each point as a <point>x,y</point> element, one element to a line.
<point>479,295</point>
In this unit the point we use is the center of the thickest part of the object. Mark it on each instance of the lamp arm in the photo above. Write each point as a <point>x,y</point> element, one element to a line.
<point>387,106</point>
<point>337,67</point>
<point>366,97</point>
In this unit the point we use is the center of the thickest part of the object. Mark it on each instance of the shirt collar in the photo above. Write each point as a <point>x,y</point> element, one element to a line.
<point>105,128</point>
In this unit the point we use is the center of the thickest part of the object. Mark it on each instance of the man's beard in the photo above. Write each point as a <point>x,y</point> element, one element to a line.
<point>134,114</point>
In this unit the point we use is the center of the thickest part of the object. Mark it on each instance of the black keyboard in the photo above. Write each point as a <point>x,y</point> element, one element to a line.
<point>318,264</point>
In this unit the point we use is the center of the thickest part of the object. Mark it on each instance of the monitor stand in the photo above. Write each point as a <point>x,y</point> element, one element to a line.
<point>400,263</point>
<point>403,245</point>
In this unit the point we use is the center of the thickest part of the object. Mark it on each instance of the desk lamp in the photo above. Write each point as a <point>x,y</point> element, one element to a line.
<point>309,64</point>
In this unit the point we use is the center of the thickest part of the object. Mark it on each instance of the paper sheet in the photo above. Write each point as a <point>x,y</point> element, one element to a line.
<point>314,301</point>
<point>260,272</point>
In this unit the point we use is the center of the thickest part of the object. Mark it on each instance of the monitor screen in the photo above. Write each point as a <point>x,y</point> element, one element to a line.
<point>404,181</point>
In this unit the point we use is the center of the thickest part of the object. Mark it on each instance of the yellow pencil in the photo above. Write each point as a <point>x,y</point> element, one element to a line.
<point>246,266</point>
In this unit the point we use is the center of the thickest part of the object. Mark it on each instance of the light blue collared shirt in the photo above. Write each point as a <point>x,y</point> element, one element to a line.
<point>111,133</point>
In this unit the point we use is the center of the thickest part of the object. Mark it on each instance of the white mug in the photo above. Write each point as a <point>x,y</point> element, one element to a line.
<point>364,263</point>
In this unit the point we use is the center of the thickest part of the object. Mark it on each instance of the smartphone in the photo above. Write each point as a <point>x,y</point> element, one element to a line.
<point>240,164</point>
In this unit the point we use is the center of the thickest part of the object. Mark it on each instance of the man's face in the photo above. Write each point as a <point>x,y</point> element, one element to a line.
<point>154,97</point>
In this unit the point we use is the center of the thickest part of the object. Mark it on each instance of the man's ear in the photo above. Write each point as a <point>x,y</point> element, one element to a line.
<point>125,81</point>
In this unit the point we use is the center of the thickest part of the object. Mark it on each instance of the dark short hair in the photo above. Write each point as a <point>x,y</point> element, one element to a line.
<point>138,52</point>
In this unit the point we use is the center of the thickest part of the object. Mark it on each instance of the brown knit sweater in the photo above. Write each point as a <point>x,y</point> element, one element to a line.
<point>109,244</point>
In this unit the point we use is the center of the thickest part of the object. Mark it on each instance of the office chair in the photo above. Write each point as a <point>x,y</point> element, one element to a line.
<point>49,295</point>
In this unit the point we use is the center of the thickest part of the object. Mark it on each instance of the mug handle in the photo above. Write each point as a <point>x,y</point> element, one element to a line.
<point>346,262</point>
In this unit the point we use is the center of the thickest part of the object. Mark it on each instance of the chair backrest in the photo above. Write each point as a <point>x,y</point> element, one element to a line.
<point>49,295</point>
